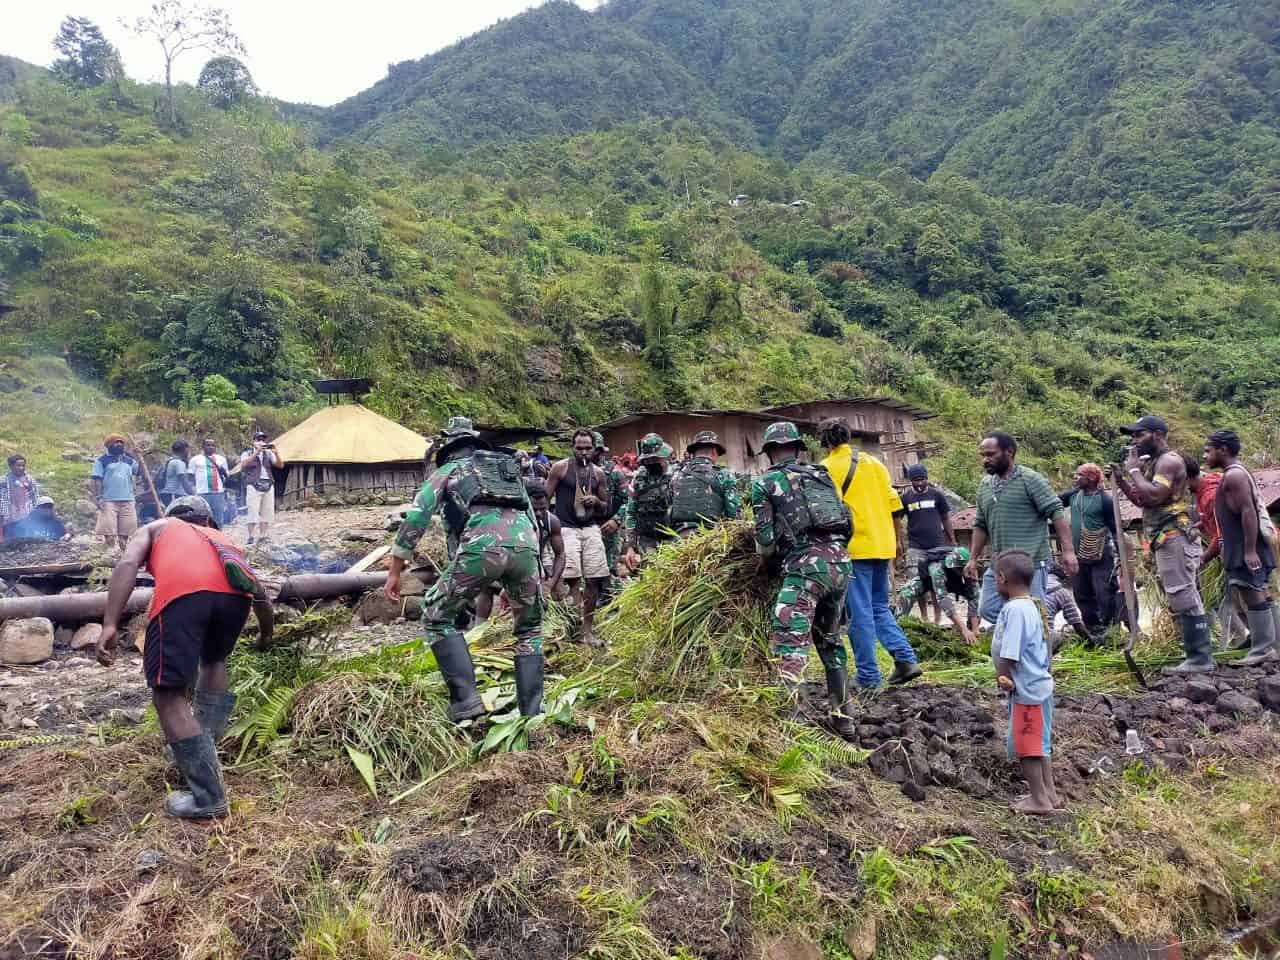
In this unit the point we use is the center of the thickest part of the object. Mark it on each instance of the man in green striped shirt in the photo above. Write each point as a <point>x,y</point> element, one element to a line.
<point>1015,506</point>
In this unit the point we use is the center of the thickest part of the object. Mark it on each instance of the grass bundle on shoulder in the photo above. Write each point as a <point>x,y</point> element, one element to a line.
<point>699,608</point>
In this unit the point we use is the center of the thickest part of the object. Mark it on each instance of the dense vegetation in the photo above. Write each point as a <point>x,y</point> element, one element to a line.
<point>569,278</point>
<point>1170,107</point>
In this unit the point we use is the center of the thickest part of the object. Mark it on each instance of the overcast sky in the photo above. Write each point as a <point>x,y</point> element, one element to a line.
<point>297,50</point>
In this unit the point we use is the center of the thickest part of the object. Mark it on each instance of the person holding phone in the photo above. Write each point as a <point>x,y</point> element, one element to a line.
<point>256,466</point>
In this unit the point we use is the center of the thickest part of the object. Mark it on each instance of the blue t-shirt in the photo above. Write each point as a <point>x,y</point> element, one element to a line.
<point>116,476</point>
<point>1019,636</point>
<point>175,474</point>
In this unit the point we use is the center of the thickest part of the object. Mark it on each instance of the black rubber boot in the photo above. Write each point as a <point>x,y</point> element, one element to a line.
<point>197,758</point>
<point>1197,643</point>
<point>454,660</point>
<point>904,672</point>
<point>213,711</point>
<point>838,696</point>
<point>1262,637</point>
<point>529,684</point>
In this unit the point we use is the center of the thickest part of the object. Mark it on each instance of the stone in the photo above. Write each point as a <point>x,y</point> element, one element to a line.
<point>411,586</point>
<point>1179,704</point>
<point>1233,702</point>
<point>1269,692</point>
<point>791,947</point>
<point>86,637</point>
<point>62,636</point>
<point>1217,723</point>
<point>29,723</point>
<point>130,716</point>
<point>149,860</point>
<point>913,791</point>
<point>1216,903</point>
<point>26,641</point>
<point>376,607</point>
<point>1201,691</point>
<point>860,940</point>
<point>84,510</point>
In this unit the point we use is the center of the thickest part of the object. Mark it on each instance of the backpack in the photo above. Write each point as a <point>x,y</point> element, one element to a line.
<point>695,494</point>
<point>491,479</point>
<point>159,473</point>
<point>651,501</point>
<point>1266,526</point>
<point>815,507</point>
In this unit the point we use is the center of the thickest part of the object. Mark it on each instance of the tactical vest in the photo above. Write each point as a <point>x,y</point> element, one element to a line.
<point>651,503</point>
<point>487,478</point>
<point>695,494</point>
<point>815,507</point>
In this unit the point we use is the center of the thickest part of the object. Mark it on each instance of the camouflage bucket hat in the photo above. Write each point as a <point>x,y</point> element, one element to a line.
<point>667,452</point>
<point>780,434</point>
<point>459,431</point>
<point>597,439</point>
<point>706,438</point>
<point>651,446</point>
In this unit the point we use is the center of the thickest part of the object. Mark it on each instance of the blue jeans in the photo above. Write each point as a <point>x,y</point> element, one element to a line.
<point>217,505</point>
<point>991,603</point>
<point>867,601</point>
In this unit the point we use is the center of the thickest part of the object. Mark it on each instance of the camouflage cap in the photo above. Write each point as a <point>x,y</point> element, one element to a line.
<point>651,445</point>
<point>780,434</point>
<point>667,452</point>
<point>598,439</point>
<point>460,426</point>
<point>706,438</point>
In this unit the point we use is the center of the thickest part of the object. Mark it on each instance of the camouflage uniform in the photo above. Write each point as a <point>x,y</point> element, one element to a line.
<point>652,448</point>
<point>934,577</point>
<point>722,487</point>
<point>496,545</point>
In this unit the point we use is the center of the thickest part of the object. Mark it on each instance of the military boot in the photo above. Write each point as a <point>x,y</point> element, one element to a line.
<point>197,758</point>
<point>904,672</point>
<point>841,706</point>
<point>1262,637</point>
<point>529,684</point>
<point>454,660</point>
<point>1197,643</point>
<point>213,711</point>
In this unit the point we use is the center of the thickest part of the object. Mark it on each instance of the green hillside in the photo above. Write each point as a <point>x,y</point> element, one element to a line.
<point>567,280</point>
<point>1166,107</point>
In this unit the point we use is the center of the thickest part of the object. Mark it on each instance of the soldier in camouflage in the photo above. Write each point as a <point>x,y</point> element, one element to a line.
<point>481,498</point>
<point>941,573</point>
<point>648,510</point>
<point>618,485</point>
<point>802,527</point>
<point>703,493</point>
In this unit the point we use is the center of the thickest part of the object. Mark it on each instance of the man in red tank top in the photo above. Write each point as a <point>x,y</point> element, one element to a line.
<point>193,623</point>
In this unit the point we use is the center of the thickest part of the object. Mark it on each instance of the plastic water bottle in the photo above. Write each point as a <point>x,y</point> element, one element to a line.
<point>1132,744</point>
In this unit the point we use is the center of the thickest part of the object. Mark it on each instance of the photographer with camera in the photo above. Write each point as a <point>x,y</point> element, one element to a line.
<point>256,466</point>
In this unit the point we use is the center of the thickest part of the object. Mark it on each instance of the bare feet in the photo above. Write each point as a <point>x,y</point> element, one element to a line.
<point>1031,807</point>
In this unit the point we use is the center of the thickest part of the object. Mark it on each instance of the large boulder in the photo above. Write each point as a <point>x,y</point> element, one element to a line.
<point>26,641</point>
<point>86,637</point>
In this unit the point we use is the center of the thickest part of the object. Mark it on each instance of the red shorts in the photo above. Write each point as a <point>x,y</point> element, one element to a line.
<point>1030,729</point>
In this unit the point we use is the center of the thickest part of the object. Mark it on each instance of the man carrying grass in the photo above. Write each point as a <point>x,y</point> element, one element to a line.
<point>1022,657</point>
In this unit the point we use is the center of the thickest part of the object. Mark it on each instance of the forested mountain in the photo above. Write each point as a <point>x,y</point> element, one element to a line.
<point>1170,107</point>
<point>469,252</point>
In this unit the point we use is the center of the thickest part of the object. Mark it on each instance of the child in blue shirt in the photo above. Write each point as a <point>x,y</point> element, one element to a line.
<point>1022,658</point>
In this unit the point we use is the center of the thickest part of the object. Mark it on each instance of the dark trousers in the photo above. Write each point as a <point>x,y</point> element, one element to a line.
<point>1094,593</point>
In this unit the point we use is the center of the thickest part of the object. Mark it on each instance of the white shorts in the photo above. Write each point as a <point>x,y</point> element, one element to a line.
<point>584,554</point>
<point>262,506</point>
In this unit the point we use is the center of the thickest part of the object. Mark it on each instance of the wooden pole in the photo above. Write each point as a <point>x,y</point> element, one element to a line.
<point>1130,588</point>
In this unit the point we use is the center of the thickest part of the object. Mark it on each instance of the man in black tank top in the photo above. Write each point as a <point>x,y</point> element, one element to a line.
<point>579,490</point>
<point>1248,558</point>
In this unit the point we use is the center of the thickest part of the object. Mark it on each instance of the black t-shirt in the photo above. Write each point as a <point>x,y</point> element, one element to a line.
<point>924,518</point>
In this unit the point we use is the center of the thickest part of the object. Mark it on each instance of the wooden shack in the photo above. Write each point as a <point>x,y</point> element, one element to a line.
<point>741,432</point>
<point>347,450</point>
<point>882,426</point>
<point>892,422</point>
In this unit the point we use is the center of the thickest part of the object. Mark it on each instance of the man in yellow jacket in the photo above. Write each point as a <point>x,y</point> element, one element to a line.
<point>865,485</point>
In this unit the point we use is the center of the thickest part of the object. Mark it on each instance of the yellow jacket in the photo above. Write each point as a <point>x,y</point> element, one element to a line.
<point>871,499</point>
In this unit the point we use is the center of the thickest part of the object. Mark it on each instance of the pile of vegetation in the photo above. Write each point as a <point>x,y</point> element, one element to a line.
<point>650,813</point>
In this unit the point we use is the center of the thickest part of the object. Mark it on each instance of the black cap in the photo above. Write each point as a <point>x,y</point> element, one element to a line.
<point>1146,423</point>
<point>917,470</point>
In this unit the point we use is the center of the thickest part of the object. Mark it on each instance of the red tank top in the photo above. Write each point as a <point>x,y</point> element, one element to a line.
<point>183,561</point>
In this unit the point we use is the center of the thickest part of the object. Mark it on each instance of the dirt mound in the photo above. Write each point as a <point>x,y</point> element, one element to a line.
<point>929,736</point>
<point>447,864</point>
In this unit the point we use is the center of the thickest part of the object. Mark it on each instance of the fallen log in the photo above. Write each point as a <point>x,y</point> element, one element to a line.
<point>78,607</point>
<point>43,570</point>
